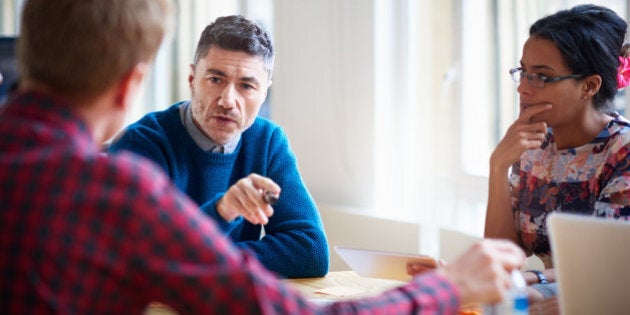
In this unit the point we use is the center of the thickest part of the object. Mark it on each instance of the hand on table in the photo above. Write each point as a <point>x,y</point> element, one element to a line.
<point>245,198</point>
<point>482,274</point>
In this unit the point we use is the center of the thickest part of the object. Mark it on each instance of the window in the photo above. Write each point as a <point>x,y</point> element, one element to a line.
<point>443,101</point>
<point>9,13</point>
<point>493,33</point>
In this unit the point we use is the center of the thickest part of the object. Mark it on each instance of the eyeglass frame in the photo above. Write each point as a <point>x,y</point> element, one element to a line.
<point>543,78</point>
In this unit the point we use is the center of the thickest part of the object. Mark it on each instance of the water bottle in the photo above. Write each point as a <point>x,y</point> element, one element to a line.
<point>518,294</point>
<point>515,302</point>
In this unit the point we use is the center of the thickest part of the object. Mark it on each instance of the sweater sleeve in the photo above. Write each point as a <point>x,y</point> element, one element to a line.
<point>294,244</point>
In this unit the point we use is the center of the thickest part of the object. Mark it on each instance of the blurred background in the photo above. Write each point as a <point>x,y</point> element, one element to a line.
<point>391,106</point>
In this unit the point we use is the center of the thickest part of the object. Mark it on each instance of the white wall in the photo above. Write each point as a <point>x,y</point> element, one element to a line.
<point>323,95</point>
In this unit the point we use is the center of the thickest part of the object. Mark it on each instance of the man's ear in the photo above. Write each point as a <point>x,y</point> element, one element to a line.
<point>267,88</point>
<point>191,75</point>
<point>130,84</point>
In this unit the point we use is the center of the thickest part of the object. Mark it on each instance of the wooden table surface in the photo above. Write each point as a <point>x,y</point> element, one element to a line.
<point>360,287</point>
<point>341,285</point>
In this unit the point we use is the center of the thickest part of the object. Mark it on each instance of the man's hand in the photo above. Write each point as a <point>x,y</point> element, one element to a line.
<point>245,198</point>
<point>482,274</point>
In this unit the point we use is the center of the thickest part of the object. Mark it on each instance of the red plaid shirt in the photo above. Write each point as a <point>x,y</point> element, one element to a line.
<point>82,233</point>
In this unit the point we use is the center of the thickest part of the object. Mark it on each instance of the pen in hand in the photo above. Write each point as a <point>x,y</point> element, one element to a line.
<point>270,198</point>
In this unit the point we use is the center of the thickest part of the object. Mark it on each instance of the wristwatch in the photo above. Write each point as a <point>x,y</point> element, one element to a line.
<point>541,276</point>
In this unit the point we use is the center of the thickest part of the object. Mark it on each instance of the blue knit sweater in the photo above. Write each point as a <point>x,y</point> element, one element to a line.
<point>294,244</point>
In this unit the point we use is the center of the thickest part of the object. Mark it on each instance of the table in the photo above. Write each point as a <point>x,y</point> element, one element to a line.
<point>355,286</point>
<point>341,285</point>
<point>336,285</point>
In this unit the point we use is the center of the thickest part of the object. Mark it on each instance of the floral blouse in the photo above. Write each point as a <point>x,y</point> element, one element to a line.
<point>593,179</point>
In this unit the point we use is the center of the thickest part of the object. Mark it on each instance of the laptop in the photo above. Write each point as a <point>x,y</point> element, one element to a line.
<point>591,256</point>
<point>382,264</point>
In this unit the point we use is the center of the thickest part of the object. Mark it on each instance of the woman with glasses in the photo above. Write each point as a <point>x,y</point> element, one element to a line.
<point>568,149</point>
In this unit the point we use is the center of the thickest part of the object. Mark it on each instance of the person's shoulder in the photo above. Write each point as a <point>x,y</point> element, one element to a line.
<point>131,170</point>
<point>153,125</point>
<point>133,185</point>
<point>157,119</point>
<point>263,127</point>
<point>264,123</point>
<point>620,125</point>
<point>617,134</point>
<point>620,121</point>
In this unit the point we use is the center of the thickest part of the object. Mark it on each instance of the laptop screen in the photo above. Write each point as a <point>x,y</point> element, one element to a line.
<point>591,257</point>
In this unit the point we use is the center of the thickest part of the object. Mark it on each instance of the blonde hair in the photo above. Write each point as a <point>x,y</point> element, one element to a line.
<point>79,48</point>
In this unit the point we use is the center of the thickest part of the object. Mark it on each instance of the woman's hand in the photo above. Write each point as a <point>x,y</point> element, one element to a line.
<point>524,134</point>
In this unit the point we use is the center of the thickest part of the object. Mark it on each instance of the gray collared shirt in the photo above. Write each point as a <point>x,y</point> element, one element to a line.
<point>205,143</point>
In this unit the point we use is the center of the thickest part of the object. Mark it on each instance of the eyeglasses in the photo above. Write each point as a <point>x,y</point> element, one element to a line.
<point>538,80</point>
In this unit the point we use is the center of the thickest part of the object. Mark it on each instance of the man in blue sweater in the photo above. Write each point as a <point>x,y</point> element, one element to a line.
<point>238,167</point>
